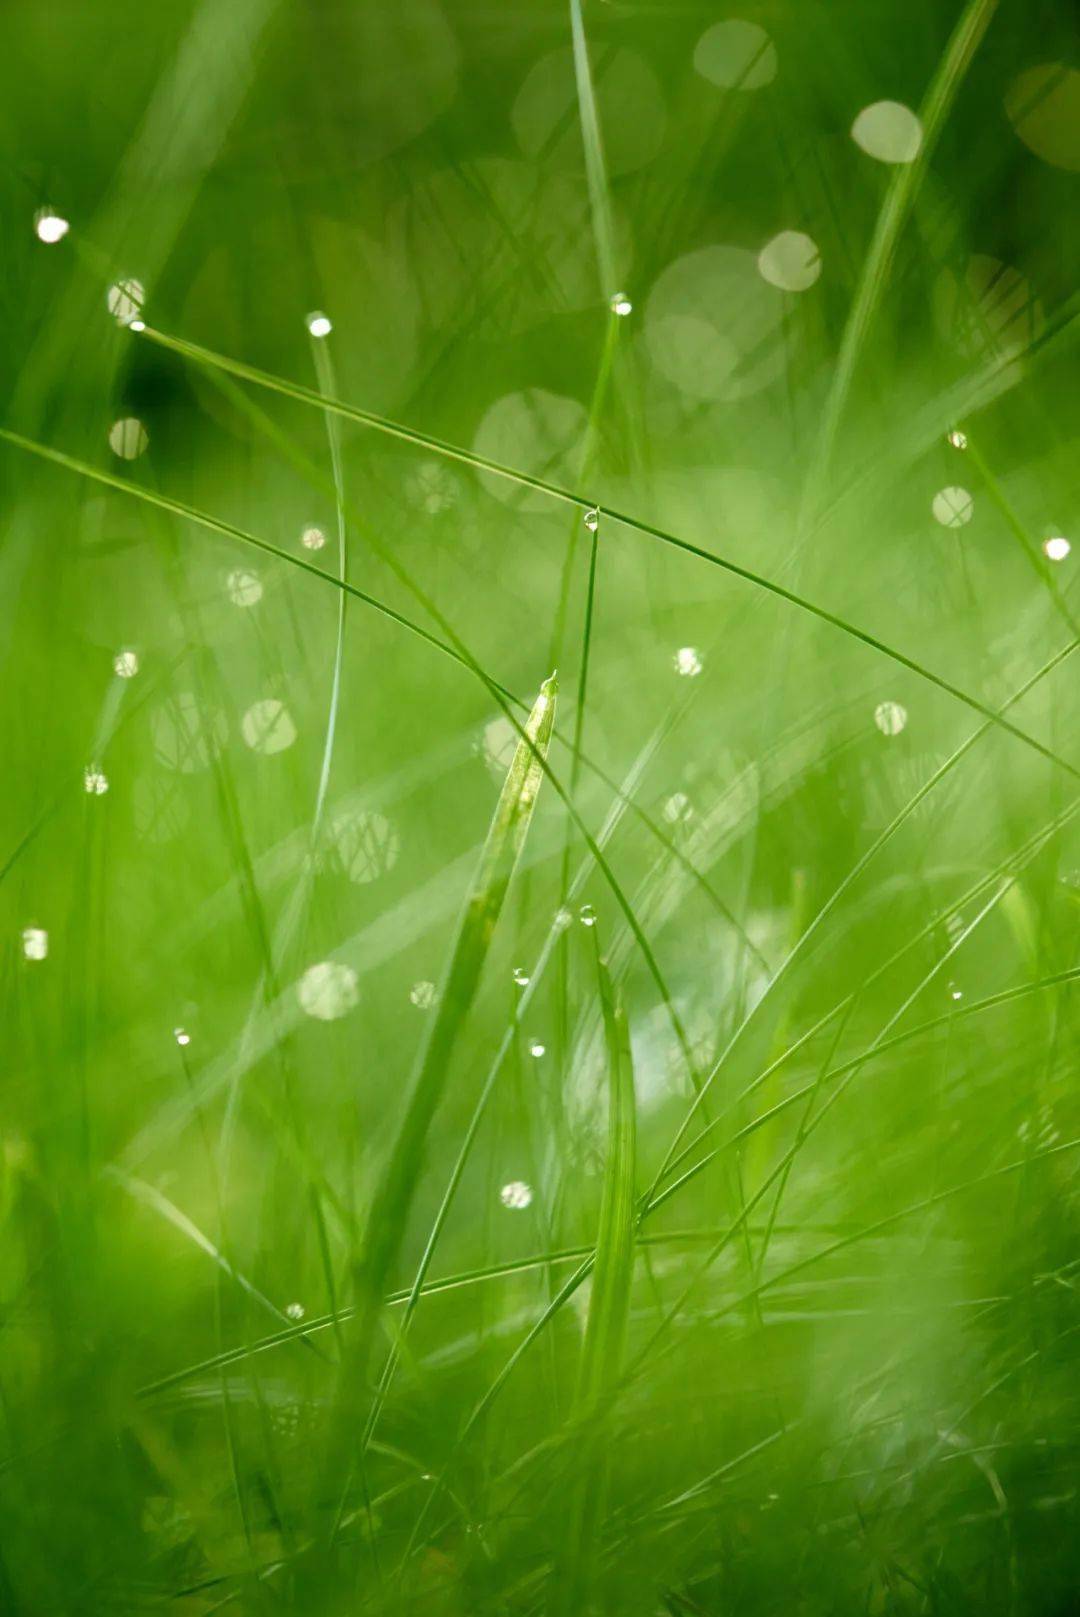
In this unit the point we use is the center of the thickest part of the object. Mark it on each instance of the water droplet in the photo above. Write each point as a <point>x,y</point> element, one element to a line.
<point>621,305</point>
<point>295,1311</point>
<point>95,782</point>
<point>268,727</point>
<point>687,662</point>
<point>890,718</point>
<point>49,227</point>
<point>587,915</point>
<point>562,919</point>
<point>790,261</point>
<point>736,55</point>
<point>328,990</point>
<point>35,943</point>
<point>125,300</point>
<point>1056,548</point>
<point>364,844</point>
<point>592,519</point>
<point>431,487</point>
<point>423,994</point>
<point>245,588</point>
<point>516,1195</point>
<point>128,438</point>
<point>677,809</point>
<point>1043,106</point>
<point>181,1035</point>
<point>313,538</point>
<point>536,1049</point>
<point>521,976</point>
<point>952,507</point>
<point>955,992</point>
<point>126,664</point>
<point>888,131</point>
<point>319,324</point>
<point>497,744</point>
<point>957,438</point>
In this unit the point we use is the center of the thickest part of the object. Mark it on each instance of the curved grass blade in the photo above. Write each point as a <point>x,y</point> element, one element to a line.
<point>649,530</point>
<point>454,647</point>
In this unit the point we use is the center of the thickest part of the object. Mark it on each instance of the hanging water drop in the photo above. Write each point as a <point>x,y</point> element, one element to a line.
<point>49,227</point>
<point>890,718</point>
<point>687,662</point>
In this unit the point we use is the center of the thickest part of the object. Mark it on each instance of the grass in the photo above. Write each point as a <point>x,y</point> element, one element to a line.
<point>466,1153</point>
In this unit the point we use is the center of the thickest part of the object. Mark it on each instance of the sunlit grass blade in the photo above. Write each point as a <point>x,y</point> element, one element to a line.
<point>396,1184</point>
<point>592,140</point>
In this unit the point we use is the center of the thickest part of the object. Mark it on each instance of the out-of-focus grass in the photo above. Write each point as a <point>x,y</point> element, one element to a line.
<point>738,1274</point>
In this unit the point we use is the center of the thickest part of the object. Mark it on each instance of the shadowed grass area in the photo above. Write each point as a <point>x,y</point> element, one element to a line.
<point>465,1158</point>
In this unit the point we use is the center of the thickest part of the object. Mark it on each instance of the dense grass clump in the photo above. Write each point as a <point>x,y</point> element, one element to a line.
<point>540,865</point>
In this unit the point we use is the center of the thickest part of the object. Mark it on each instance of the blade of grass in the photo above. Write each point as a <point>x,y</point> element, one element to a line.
<point>648,529</point>
<point>394,1190</point>
<point>861,864</point>
<point>609,1308</point>
<point>962,45</point>
<point>457,650</point>
<point>1014,863</point>
<point>324,370</point>
<point>592,141</point>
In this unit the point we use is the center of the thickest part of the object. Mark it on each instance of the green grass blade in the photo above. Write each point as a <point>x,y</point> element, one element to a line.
<point>595,169</point>
<point>393,1193</point>
<point>609,1308</point>
<point>649,529</point>
<point>965,40</point>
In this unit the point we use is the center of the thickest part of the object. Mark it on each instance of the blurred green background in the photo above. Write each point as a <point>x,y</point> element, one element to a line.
<point>795,286</point>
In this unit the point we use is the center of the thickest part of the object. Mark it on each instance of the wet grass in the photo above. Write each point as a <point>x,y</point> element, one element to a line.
<point>483,1153</point>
